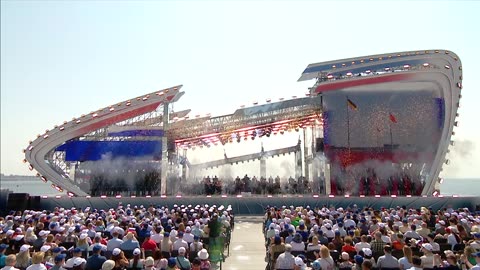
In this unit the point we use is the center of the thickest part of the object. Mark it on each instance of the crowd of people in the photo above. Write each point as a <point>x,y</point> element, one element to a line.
<point>141,183</point>
<point>299,238</point>
<point>369,184</point>
<point>260,186</point>
<point>127,237</point>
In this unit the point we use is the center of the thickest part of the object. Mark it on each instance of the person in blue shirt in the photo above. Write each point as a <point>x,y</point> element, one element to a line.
<point>130,243</point>
<point>95,261</point>
<point>3,247</point>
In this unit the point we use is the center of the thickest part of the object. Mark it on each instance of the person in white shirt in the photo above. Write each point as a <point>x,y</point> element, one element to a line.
<point>270,232</point>
<point>297,243</point>
<point>412,233</point>
<point>188,236</point>
<point>196,245</point>
<point>362,244</point>
<point>10,263</point>
<point>179,242</point>
<point>451,238</point>
<point>327,231</point>
<point>37,259</point>
<point>315,245</point>
<point>349,222</point>
<point>475,244</point>
<point>285,260</point>
<point>114,242</point>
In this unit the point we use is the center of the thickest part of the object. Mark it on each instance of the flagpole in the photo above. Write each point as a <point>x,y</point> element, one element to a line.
<point>348,126</point>
<point>391,135</point>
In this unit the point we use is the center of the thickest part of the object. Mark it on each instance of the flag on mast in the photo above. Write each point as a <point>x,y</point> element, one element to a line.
<point>393,118</point>
<point>352,105</point>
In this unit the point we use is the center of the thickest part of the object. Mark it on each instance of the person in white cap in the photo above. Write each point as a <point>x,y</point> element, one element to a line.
<point>78,263</point>
<point>299,264</point>
<point>427,258</point>
<point>119,258</point>
<point>23,257</point>
<point>203,256</point>
<point>182,262</point>
<point>83,242</point>
<point>137,262</point>
<point>45,248</point>
<point>77,253</point>
<point>150,263</point>
<point>108,265</point>
<point>42,237</point>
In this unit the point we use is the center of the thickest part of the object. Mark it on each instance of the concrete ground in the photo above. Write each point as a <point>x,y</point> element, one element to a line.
<point>247,247</point>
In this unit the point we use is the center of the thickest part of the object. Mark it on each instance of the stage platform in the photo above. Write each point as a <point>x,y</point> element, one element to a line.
<point>255,205</point>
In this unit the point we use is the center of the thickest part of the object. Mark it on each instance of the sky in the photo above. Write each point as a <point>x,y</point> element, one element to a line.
<point>61,59</point>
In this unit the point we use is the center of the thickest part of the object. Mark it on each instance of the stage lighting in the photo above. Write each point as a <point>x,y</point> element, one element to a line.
<point>435,193</point>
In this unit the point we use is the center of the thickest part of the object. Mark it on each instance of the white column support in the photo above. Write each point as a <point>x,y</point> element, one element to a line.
<point>164,165</point>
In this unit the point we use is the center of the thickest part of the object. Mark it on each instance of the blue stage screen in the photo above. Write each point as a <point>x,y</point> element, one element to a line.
<point>97,150</point>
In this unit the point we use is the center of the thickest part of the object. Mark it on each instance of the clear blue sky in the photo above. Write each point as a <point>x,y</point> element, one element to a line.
<point>60,59</point>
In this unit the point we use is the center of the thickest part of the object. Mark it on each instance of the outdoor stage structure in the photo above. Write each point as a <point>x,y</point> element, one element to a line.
<point>378,116</point>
